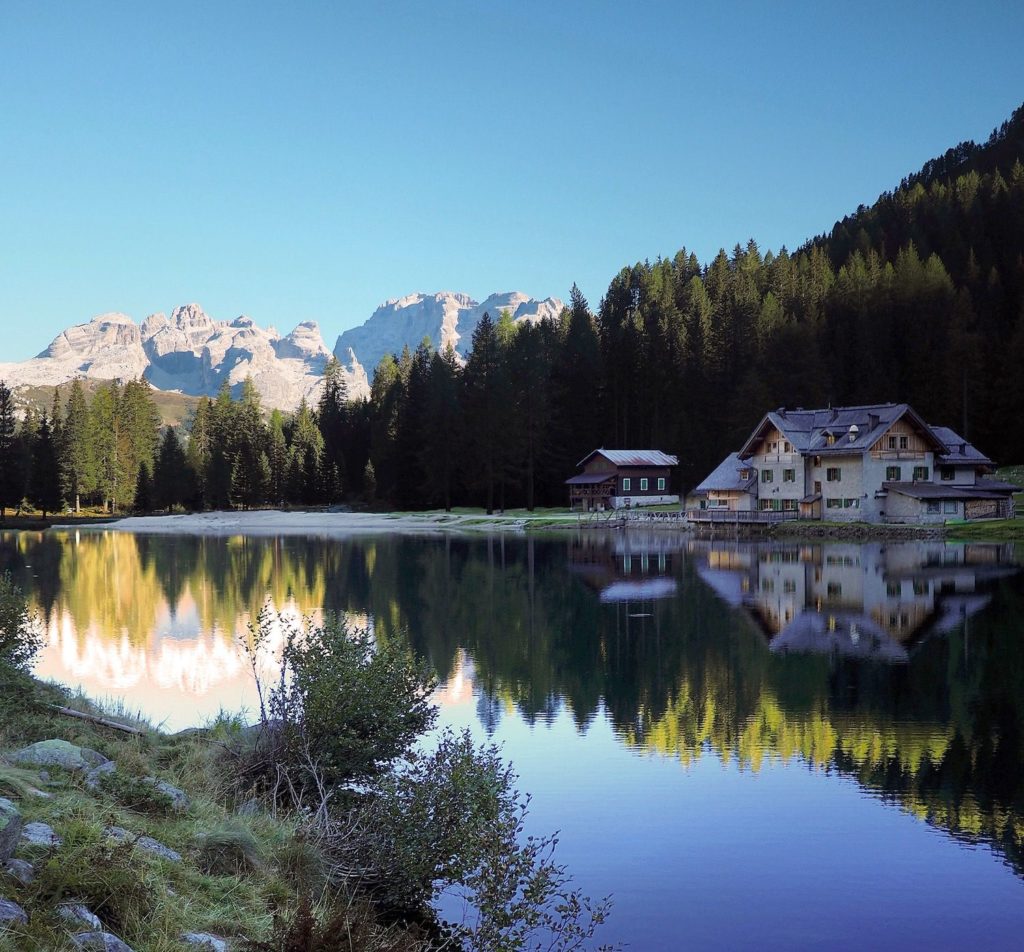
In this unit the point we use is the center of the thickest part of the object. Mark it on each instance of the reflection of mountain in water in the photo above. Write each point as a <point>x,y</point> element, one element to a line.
<point>868,601</point>
<point>751,653</point>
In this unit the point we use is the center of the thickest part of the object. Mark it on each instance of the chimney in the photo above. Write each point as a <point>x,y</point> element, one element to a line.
<point>963,449</point>
<point>833,415</point>
<point>873,420</point>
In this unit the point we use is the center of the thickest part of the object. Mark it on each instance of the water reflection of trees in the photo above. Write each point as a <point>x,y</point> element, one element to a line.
<point>681,676</point>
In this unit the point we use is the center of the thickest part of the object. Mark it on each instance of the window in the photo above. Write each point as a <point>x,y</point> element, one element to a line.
<point>764,504</point>
<point>744,474</point>
<point>949,506</point>
<point>773,447</point>
<point>661,484</point>
<point>893,589</point>
<point>833,504</point>
<point>830,439</point>
<point>834,589</point>
<point>921,472</point>
<point>767,476</point>
<point>903,442</point>
<point>625,484</point>
<point>892,474</point>
<point>767,585</point>
<point>920,588</point>
<point>947,473</point>
<point>892,442</point>
<point>789,586</point>
<point>833,474</point>
<point>933,505</point>
<point>851,504</point>
<point>789,505</point>
<point>789,475</point>
<point>787,446</point>
<point>643,484</point>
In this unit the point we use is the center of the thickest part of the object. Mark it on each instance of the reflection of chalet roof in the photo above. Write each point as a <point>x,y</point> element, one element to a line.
<point>808,430</point>
<point>982,489</point>
<point>961,453</point>
<point>647,589</point>
<point>727,584</point>
<point>727,476</point>
<point>954,610</point>
<point>633,457</point>
<point>852,635</point>
<point>590,479</point>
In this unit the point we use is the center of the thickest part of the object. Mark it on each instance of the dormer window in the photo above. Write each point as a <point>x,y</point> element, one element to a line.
<point>830,439</point>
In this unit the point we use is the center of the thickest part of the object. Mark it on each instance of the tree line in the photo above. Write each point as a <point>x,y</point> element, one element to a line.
<point>919,298</point>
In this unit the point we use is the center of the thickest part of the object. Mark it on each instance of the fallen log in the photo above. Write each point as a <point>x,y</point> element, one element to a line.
<point>93,719</point>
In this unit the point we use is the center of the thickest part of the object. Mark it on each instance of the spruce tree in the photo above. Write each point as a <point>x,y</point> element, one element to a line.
<point>45,488</point>
<point>12,484</point>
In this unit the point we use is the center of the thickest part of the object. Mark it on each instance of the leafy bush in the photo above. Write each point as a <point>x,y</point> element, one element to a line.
<point>343,710</point>
<point>454,821</point>
<point>20,640</point>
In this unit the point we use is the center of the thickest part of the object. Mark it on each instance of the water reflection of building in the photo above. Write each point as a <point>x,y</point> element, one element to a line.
<point>871,600</point>
<point>632,566</point>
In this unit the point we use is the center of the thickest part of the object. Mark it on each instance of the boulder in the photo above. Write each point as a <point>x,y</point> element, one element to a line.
<point>11,914</point>
<point>22,871</point>
<point>95,776</point>
<point>76,914</point>
<point>146,843</point>
<point>58,753</point>
<point>99,942</point>
<point>10,829</point>
<point>179,799</point>
<point>205,942</point>
<point>40,834</point>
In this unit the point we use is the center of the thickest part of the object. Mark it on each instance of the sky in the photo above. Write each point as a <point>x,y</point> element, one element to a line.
<point>308,161</point>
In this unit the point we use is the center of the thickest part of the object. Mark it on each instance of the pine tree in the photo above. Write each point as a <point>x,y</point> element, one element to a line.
<point>170,474</point>
<point>45,488</point>
<point>143,501</point>
<point>79,460</point>
<point>12,483</point>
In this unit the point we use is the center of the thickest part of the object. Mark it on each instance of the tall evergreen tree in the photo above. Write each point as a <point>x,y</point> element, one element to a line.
<point>45,487</point>
<point>12,482</point>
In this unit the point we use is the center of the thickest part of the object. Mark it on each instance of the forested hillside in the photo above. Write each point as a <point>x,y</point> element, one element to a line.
<point>918,298</point>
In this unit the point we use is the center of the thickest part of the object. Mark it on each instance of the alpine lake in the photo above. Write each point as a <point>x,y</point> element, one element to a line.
<point>745,744</point>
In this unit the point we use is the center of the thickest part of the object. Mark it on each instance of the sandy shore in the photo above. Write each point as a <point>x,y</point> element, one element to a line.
<point>273,522</point>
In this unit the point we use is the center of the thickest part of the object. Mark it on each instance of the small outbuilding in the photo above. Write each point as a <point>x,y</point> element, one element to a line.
<point>618,479</point>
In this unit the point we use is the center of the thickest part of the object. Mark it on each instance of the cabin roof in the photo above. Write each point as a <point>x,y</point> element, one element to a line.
<point>982,489</point>
<point>961,453</point>
<point>808,430</point>
<point>589,479</point>
<point>632,457</point>
<point>726,476</point>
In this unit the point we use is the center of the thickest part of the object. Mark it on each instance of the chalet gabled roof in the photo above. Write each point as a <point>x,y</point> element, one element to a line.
<point>727,476</point>
<point>632,457</point>
<point>808,430</point>
<point>961,453</point>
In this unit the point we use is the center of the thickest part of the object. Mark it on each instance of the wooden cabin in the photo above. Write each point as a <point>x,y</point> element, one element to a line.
<point>618,479</point>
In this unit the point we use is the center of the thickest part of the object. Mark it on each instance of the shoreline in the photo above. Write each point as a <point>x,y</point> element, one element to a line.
<point>347,524</point>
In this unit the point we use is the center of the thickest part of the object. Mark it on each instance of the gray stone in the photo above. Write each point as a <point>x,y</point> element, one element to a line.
<point>11,912</point>
<point>146,843</point>
<point>99,942</point>
<point>40,834</point>
<point>58,753</point>
<point>94,777</point>
<point>179,799</point>
<point>10,829</point>
<point>78,915</point>
<point>20,870</point>
<point>205,941</point>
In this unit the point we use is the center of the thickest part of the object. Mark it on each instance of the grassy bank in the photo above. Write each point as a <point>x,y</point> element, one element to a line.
<point>236,870</point>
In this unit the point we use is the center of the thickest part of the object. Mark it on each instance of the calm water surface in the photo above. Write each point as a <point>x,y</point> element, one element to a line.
<point>748,746</point>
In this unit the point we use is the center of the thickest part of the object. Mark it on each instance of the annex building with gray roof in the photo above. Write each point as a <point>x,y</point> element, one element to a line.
<point>874,463</point>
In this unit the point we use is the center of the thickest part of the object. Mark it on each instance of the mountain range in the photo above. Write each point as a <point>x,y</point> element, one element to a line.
<point>191,353</point>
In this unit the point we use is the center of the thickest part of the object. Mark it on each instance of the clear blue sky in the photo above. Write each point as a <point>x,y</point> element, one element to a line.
<point>298,161</point>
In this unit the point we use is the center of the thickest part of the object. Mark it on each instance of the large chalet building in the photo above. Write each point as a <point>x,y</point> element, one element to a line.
<point>617,479</point>
<point>879,463</point>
